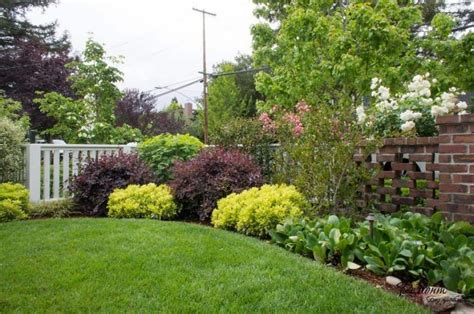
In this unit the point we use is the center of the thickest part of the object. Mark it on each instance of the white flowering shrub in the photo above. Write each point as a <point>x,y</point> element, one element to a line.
<point>410,114</point>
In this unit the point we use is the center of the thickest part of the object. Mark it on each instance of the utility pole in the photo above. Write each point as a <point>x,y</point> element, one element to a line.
<point>204,71</point>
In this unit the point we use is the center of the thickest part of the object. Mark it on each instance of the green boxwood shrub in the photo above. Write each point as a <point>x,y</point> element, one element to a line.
<point>13,201</point>
<point>160,152</point>
<point>142,201</point>
<point>257,211</point>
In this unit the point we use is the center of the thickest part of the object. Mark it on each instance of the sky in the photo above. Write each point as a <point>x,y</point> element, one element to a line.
<point>161,41</point>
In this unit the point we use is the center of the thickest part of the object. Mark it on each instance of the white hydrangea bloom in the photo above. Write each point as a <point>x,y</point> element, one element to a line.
<point>408,126</point>
<point>439,111</point>
<point>384,92</point>
<point>361,116</point>
<point>462,105</point>
<point>407,115</point>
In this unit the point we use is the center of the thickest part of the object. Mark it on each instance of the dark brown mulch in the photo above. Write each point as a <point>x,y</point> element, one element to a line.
<point>404,289</point>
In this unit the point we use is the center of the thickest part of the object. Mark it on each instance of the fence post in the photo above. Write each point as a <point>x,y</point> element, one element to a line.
<point>33,171</point>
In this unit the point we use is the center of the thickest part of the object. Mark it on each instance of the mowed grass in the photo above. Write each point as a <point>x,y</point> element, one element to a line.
<point>106,265</point>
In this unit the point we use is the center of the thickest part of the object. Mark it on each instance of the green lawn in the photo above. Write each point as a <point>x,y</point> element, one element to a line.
<point>105,265</point>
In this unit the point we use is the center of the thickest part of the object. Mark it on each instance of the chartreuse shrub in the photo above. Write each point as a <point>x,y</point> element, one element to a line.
<point>13,201</point>
<point>408,245</point>
<point>142,201</point>
<point>256,211</point>
<point>160,152</point>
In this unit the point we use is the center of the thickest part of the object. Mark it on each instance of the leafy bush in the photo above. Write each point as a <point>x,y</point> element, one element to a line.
<point>52,209</point>
<point>412,246</point>
<point>99,177</point>
<point>259,210</point>
<point>145,201</point>
<point>316,153</point>
<point>13,201</point>
<point>11,138</point>
<point>215,173</point>
<point>248,136</point>
<point>160,152</point>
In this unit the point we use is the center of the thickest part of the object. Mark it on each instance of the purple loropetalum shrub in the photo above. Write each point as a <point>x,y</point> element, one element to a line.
<point>213,174</point>
<point>99,177</point>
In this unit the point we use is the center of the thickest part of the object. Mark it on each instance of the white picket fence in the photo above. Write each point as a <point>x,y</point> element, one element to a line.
<point>49,167</point>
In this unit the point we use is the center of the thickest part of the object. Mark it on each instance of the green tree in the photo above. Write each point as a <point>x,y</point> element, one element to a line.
<point>329,51</point>
<point>232,94</point>
<point>89,118</point>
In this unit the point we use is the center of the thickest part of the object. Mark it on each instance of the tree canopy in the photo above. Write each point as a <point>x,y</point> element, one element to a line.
<point>326,51</point>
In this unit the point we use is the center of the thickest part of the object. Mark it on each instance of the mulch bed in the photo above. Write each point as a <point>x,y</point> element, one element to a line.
<point>404,289</point>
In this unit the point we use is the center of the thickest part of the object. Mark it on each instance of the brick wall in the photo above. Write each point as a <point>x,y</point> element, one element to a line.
<point>425,174</point>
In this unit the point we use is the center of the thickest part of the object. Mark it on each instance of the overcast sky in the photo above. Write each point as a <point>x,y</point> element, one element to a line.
<point>160,40</point>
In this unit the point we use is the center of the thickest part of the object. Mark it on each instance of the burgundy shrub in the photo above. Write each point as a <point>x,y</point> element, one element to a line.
<point>213,174</point>
<point>98,178</point>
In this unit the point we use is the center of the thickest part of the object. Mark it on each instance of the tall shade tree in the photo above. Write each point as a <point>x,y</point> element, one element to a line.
<point>329,51</point>
<point>138,109</point>
<point>232,94</point>
<point>32,57</point>
<point>90,118</point>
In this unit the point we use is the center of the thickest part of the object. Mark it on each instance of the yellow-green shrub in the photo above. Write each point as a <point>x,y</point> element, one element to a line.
<point>256,211</point>
<point>13,201</point>
<point>142,201</point>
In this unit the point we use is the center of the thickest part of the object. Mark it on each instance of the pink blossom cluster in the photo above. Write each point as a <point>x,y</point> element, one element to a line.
<point>294,119</point>
<point>268,124</point>
<point>302,107</point>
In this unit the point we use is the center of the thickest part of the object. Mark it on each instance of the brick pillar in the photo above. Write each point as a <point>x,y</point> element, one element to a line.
<point>456,166</point>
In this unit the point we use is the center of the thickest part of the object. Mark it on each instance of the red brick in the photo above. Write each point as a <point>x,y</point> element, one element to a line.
<point>390,157</point>
<point>411,141</point>
<point>443,139</point>
<point>388,149</point>
<point>471,168</point>
<point>464,158</point>
<point>400,141</point>
<point>471,190</point>
<point>467,118</point>
<point>462,178</point>
<point>445,178</point>
<point>431,149</point>
<point>451,129</point>
<point>463,138</point>
<point>463,198</point>
<point>465,217</point>
<point>421,157</point>
<point>445,158</point>
<point>453,149</point>
<point>422,140</point>
<point>398,166</point>
<point>445,197</point>
<point>447,119</point>
<point>453,188</point>
<point>452,168</point>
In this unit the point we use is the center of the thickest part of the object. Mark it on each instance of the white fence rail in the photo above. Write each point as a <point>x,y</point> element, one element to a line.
<point>49,167</point>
